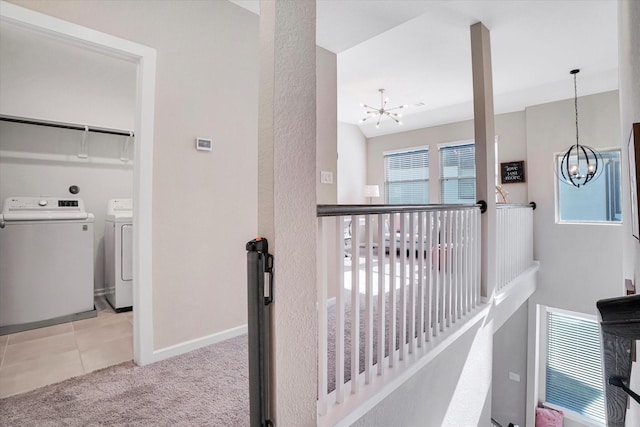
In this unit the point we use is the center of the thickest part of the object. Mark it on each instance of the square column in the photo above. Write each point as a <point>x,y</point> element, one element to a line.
<point>485,136</point>
<point>287,201</point>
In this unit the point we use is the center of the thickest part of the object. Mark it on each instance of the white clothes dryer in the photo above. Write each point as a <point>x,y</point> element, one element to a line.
<point>46,262</point>
<point>118,252</point>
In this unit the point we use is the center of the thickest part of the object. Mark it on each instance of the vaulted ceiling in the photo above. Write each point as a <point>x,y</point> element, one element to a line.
<point>420,53</point>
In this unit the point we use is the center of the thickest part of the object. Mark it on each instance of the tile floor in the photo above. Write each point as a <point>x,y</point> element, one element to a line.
<point>35,358</point>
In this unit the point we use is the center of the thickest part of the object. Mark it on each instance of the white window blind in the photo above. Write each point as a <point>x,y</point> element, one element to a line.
<point>573,371</point>
<point>406,178</point>
<point>458,174</point>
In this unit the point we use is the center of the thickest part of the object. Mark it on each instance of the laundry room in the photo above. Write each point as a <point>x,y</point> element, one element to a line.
<point>67,115</point>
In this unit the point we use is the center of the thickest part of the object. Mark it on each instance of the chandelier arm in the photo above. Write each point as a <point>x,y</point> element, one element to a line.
<point>394,119</point>
<point>394,108</point>
<point>562,163</point>
<point>379,118</point>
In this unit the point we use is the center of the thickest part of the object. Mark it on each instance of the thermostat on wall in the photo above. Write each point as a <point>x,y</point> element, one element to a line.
<point>204,144</point>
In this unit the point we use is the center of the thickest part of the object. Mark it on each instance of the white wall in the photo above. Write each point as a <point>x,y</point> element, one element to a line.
<point>48,79</point>
<point>204,204</point>
<point>452,390</point>
<point>510,129</point>
<point>629,77</point>
<point>508,402</point>
<point>39,161</point>
<point>326,124</point>
<point>580,264</point>
<point>352,164</point>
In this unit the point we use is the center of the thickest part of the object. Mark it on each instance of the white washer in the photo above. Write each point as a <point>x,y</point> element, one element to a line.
<point>46,262</point>
<point>118,252</point>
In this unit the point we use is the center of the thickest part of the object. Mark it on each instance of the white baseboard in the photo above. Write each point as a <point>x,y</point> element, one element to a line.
<point>187,346</point>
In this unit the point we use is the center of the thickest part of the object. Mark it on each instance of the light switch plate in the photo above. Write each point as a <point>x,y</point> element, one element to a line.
<point>514,377</point>
<point>326,177</point>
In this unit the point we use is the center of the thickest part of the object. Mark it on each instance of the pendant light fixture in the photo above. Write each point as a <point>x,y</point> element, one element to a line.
<point>580,164</point>
<point>379,113</point>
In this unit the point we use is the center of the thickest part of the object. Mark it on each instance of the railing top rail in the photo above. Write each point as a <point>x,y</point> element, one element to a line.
<point>341,210</point>
<point>515,205</point>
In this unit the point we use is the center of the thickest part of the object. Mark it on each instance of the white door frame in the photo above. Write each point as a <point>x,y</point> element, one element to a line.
<point>145,58</point>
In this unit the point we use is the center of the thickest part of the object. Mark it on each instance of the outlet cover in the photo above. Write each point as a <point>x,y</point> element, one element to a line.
<point>326,177</point>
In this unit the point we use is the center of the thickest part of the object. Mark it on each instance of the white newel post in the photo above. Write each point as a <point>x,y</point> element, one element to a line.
<point>485,150</point>
<point>287,200</point>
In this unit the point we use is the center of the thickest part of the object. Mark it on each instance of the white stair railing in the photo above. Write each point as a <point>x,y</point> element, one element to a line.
<point>514,245</point>
<point>400,277</point>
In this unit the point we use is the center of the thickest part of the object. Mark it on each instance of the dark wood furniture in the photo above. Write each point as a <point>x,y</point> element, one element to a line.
<point>620,326</point>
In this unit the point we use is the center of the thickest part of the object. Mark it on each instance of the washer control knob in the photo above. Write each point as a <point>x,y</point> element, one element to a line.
<point>42,203</point>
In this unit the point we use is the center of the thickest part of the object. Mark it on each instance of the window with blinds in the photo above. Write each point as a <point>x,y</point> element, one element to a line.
<point>599,201</point>
<point>458,174</point>
<point>573,366</point>
<point>406,177</point>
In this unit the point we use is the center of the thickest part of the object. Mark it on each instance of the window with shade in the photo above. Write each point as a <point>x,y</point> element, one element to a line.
<point>406,177</point>
<point>598,201</point>
<point>573,366</point>
<point>458,174</point>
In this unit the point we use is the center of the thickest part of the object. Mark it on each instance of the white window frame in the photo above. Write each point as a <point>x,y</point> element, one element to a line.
<point>405,151</point>
<point>557,194</point>
<point>541,362</point>
<point>450,145</point>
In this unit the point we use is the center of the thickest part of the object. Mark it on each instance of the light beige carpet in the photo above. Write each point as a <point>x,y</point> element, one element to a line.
<point>206,387</point>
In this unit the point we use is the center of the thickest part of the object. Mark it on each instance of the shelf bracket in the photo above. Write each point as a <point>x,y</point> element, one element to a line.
<point>124,150</point>
<point>83,152</point>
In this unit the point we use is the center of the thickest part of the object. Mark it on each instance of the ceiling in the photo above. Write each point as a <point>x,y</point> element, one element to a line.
<point>420,53</point>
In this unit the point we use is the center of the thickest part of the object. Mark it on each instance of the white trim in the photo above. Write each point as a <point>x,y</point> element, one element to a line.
<point>187,346</point>
<point>574,416</point>
<point>556,190</point>
<point>355,406</point>
<point>521,282</point>
<point>541,361</point>
<point>576,314</point>
<point>405,150</point>
<point>456,143</point>
<point>145,57</point>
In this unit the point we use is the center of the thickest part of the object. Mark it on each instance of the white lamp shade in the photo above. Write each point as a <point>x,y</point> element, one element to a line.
<point>371,191</point>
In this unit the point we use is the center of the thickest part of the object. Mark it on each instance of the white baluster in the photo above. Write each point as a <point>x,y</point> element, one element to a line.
<point>321,260</point>
<point>340,353</point>
<point>402,334</point>
<point>392,289</point>
<point>411,315</point>
<point>421,249</point>
<point>355,302</point>
<point>368,337</point>
<point>381,293</point>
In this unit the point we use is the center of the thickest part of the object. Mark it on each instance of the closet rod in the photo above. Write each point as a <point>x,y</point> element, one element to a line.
<point>64,126</point>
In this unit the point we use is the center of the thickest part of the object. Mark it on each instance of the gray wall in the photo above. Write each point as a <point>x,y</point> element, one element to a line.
<point>510,129</point>
<point>326,124</point>
<point>452,390</point>
<point>629,72</point>
<point>508,398</point>
<point>207,86</point>
<point>572,279</point>
<point>352,163</point>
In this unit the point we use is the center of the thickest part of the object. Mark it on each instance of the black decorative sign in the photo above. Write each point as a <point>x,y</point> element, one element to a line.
<point>512,172</point>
